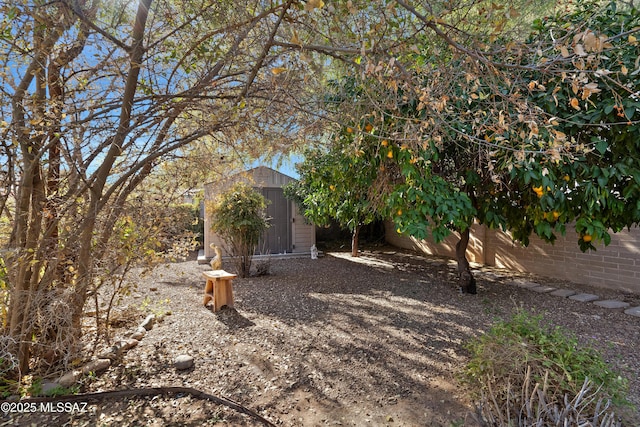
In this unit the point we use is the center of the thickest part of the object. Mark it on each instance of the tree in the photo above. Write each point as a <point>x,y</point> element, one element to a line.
<point>335,184</point>
<point>238,216</point>
<point>531,137</point>
<point>401,50</point>
<point>595,108</point>
<point>514,129</point>
<point>94,97</point>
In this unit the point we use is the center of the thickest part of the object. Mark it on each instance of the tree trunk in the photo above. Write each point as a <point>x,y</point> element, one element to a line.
<point>55,82</point>
<point>465,278</point>
<point>97,202</point>
<point>26,267</point>
<point>25,261</point>
<point>354,241</point>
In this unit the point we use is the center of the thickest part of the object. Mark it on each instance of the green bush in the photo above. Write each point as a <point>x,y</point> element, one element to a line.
<point>238,216</point>
<point>522,372</point>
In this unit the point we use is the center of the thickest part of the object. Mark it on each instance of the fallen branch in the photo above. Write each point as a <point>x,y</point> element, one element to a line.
<point>152,391</point>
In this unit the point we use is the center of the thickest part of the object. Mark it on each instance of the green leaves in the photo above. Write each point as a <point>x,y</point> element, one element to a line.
<point>238,215</point>
<point>336,184</point>
<point>550,356</point>
<point>526,133</point>
<point>429,204</point>
<point>601,146</point>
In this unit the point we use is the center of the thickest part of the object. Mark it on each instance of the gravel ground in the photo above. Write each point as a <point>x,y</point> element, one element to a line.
<point>376,340</point>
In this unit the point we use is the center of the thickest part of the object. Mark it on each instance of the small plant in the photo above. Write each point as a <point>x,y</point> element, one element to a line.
<point>7,387</point>
<point>62,391</point>
<point>32,386</point>
<point>263,267</point>
<point>522,372</point>
<point>35,388</point>
<point>531,405</point>
<point>158,308</point>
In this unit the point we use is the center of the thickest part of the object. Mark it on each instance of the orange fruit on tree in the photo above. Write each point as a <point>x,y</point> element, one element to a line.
<point>349,130</point>
<point>538,190</point>
<point>556,215</point>
<point>587,238</point>
<point>368,127</point>
<point>384,143</point>
<point>390,154</point>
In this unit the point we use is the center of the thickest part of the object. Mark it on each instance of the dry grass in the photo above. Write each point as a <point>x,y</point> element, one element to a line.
<point>535,404</point>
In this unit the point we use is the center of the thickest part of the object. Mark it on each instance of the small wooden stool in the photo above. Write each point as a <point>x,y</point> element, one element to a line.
<point>218,288</point>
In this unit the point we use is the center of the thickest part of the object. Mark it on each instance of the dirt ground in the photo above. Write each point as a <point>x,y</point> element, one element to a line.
<point>376,340</point>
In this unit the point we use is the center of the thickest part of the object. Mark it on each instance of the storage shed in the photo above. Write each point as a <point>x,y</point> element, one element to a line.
<point>290,232</point>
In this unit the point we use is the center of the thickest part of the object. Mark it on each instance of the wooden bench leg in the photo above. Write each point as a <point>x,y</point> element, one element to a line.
<point>222,294</point>
<point>208,292</point>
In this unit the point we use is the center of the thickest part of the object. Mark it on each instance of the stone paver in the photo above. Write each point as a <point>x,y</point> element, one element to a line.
<point>564,293</point>
<point>635,311</point>
<point>584,297</point>
<point>571,294</point>
<point>543,289</point>
<point>526,285</point>
<point>612,303</point>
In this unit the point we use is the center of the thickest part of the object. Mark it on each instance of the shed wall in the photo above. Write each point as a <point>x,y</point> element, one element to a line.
<point>304,233</point>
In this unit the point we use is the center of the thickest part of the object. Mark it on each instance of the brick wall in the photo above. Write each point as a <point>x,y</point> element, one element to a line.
<point>615,266</point>
<point>475,251</point>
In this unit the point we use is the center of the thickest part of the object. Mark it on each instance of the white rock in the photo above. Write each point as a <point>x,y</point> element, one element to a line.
<point>70,378</point>
<point>183,362</point>
<point>48,386</point>
<point>97,365</point>
<point>148,322</point>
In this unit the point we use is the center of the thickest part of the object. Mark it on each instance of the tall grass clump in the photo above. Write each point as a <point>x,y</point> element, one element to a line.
<point>525,373</point>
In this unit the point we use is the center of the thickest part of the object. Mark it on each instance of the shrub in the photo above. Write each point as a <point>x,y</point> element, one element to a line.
<point>8,364</point>
<point>238,217</point>
<point>522,372</point>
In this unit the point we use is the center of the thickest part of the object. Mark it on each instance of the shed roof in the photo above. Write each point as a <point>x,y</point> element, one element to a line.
<point>260,176</point>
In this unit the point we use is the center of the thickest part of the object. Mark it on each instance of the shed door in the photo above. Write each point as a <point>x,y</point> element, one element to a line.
<point>278,237</point>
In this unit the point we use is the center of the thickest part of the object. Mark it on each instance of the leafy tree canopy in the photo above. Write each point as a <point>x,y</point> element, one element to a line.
<point>336,184</point>
<point>526,130</point>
